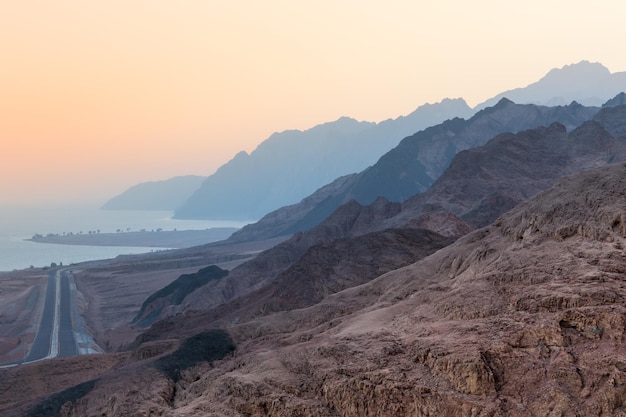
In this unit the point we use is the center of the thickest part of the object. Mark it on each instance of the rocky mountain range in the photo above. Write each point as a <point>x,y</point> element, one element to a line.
<point>290,165</point>
<point>284,168</point>
<point>588,83</point>
<point>414,165</point>
<point>481,184</point>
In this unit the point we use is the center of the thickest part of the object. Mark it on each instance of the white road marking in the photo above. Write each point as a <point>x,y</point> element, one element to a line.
<point>54,341</point>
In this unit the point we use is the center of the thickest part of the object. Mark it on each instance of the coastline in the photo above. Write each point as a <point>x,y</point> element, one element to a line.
<point>176,239</point>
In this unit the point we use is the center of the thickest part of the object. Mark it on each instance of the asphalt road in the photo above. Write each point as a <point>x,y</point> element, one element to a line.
<point>43,341</point>
<point>55,337</point>
<point>67,343</point>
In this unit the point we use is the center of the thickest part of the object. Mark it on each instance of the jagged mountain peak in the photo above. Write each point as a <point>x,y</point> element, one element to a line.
<point>590,84</point>
<point>503,102</point>
<point>446,102</point>
<point>618,100</point>
<point>500,105</point>
<point>575,71</point>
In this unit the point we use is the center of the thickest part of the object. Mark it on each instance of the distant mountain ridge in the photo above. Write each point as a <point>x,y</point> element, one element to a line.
<point>415,164</point>
<point>156,195</point>
<point>590,84</point>
<point>290,165</point>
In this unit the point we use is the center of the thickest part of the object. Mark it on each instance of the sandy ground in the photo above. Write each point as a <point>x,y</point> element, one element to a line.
<point>20,384</point>
<point>21,303</point>
<point>109,301</point>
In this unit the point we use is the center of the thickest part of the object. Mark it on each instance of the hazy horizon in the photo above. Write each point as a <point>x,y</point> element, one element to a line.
<point>97,97</point>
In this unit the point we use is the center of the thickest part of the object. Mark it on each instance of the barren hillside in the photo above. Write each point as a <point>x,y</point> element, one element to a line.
<point>523,317</point>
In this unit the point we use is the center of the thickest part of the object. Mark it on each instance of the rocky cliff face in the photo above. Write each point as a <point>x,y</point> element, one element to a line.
<point>523,317</point>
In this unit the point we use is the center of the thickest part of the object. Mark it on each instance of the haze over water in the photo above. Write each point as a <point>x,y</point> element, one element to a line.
<point>96,97</point>
<point>18,223</point>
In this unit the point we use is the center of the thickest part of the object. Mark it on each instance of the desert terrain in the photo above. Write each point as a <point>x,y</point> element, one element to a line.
<point>497,292</point>
<point>524,317</point>
<point>108,292</point>
<point>21,303</point>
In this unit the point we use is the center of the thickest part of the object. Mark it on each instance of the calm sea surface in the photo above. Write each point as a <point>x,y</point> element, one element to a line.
<point>19,223</point>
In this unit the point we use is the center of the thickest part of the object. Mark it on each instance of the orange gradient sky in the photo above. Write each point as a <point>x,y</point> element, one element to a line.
<point>96,96</point>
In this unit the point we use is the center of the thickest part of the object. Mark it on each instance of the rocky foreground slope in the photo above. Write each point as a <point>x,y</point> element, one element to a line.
<point>523,317</point>
<point>322,270</point>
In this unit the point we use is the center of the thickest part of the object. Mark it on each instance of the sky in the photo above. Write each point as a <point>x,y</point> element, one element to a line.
<point>97,96</point>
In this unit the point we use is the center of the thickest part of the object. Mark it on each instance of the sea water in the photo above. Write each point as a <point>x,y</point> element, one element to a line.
<point>18,223</point>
